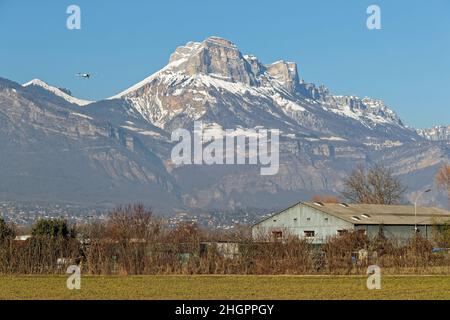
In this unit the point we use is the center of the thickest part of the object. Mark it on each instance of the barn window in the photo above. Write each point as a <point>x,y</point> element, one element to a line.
<point>295,219</point>
<point>274,220</point>
<point>326,219</point>
<point>342,232</point>
<point>309,234</point>
<point>308,219</point>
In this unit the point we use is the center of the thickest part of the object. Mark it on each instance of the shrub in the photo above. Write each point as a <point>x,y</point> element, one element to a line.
<point>52,228</point>
<point>6,231</point>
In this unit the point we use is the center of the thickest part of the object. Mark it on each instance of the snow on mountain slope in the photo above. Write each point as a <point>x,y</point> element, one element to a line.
<point>57,91</point>
<point>370,112</point>
<point>206,79</point>
<point>120,148</point>
<point>436,133</point>
<point>52,152</point>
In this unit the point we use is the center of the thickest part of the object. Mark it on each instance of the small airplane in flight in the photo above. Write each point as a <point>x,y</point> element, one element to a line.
<point>84,75</point>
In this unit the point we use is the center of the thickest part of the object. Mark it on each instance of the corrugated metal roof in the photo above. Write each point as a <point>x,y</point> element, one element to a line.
<point>375,214</point>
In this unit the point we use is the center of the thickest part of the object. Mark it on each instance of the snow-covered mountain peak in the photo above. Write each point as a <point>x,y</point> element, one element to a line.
<point>220,59</point>
<point>62,93</point>
<point>215,57</point>
<point>35,82</point>
<point>214,81</point>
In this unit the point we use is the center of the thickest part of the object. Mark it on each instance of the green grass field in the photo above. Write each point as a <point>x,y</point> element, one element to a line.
<point>225,287</point>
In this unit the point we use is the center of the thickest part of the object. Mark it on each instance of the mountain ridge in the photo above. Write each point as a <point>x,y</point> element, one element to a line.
<point>218,63</point>
<point>122,145</point>
<point>284,72</point>
<point>435,133</point>
<point>57,91</point>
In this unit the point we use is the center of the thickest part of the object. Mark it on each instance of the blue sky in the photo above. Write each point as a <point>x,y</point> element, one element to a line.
<point>407,63</point>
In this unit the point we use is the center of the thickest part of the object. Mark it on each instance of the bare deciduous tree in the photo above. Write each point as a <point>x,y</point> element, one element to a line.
<point>134,242</point>
<point>132,222</point>
<point>374,185</point>
<point>443,178</point>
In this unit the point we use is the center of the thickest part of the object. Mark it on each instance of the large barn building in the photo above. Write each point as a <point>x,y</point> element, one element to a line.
<point>318,221</point>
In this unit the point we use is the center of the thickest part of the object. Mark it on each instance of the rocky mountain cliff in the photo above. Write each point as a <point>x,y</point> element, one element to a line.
<point>436,133</point>
<point>210,79</point>
<point>57,147</point>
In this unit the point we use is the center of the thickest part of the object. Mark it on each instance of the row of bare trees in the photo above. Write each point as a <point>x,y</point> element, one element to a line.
<point>134,242</point>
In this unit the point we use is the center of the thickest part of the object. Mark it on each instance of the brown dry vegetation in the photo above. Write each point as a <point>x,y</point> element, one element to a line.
<point>134,242</point>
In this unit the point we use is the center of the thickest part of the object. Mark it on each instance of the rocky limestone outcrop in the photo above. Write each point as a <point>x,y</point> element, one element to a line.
<point>436,133</point>
<point>285,73</point>
<point>216,57</point>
